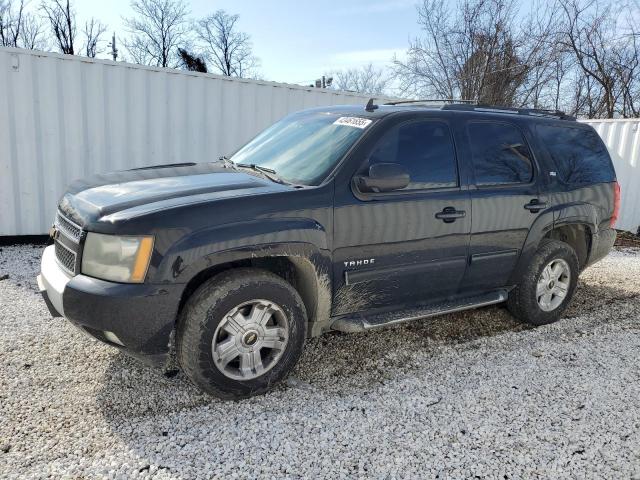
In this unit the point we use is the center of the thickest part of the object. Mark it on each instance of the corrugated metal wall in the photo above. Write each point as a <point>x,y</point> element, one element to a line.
<point>65,117</point>
<point>623,141</point>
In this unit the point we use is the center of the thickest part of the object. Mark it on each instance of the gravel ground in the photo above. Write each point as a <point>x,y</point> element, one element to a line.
<point>470,395</point>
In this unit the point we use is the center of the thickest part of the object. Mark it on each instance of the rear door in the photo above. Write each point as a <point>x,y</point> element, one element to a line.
<point>505,198</point>
<point>397,248</point>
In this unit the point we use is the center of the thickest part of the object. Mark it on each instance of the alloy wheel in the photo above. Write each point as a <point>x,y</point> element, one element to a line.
<point>250,339</point>
<point>553,285</point>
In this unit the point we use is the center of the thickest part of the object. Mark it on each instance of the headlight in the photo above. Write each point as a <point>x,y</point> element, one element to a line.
<point>119,259</point>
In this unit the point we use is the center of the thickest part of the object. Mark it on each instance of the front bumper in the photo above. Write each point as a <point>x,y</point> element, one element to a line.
<point>137,318</point>
<point>52,282</point>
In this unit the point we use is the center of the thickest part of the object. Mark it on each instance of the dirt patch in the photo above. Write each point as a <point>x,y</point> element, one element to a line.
<point>627,239</point>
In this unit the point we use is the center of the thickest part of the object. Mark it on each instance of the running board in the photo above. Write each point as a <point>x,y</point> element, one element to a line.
<point>360,322</point>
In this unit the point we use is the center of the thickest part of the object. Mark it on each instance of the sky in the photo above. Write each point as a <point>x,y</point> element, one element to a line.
<point>298,41</point>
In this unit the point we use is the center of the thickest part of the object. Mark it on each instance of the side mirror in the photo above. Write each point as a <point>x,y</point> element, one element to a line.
<point>383,177</point>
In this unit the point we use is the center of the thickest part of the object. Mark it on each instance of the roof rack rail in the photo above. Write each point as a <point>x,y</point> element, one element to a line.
<point>533,112</point>
<point>432,100</point>
<point>474,106</point>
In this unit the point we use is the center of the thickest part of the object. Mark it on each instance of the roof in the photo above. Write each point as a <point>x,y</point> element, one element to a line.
<point>380,111</point>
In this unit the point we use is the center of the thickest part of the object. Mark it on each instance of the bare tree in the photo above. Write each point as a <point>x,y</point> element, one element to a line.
<point>584,35</point>
<point>367,79</point>
<point>11,22</point>
<point>32,33</point>
<point>227,49</point>
<point>431,61</point>
<point>62,19</point>
<point>93,30</point>
<point>562,64</point>
<point>156,30</point>
<point>629,67</point>
<point>470,52</point>
<point>4,21</point>
<point>547,63</point>
<point>606,56</point>
<point>480,50</point>
<point>19,28</point>
<point>565,54</point>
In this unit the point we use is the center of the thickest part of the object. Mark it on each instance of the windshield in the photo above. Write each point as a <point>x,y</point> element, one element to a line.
<point>303,148</point>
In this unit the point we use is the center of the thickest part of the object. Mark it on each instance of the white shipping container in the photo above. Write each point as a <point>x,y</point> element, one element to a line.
<point>64,117</point>
<point>622,137</point>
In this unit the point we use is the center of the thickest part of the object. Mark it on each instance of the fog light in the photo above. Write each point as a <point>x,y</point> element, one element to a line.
<point>112,337</point>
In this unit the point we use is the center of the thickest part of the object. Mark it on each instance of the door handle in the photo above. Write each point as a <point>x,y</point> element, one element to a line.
<point>535,205</point>
<point>450,214</point>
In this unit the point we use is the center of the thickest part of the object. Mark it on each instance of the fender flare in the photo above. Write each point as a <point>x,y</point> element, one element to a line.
<point>572,214</point>
<point>303,243</point>
<point>577,214</point>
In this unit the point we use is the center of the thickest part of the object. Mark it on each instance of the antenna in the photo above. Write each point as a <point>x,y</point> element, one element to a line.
<point>114,50</point>
<point>371,106</point>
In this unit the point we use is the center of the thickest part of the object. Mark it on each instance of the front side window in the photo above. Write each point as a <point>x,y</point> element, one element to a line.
<point>425,149</point>
<point>499,154</point>
<point>303,148</point>
<point>579,154</point>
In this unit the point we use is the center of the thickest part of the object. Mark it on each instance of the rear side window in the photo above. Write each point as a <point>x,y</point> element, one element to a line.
<point>579,154</point>
<point>425,148</point>
<point>499,154</point>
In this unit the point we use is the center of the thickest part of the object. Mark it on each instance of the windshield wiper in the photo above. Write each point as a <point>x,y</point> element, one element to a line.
<point>267,172</point>
<point>259,168</point>
<point>270,173</point>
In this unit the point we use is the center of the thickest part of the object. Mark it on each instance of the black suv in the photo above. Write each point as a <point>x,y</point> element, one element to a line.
<point>340,218</point>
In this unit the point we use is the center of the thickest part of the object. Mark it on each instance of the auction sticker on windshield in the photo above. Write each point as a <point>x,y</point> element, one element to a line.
<point>356,122</point>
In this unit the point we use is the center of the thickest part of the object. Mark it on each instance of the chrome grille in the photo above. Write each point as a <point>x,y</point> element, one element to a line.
<point>68,228</point>
<point>67,243</point>
<point>66,258</point>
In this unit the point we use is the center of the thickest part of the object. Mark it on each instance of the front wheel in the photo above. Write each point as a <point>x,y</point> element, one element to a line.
<point>547,286</point>
<point>241,332</point>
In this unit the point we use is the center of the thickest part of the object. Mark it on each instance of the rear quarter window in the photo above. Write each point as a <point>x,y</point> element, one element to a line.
<point>578,153</point>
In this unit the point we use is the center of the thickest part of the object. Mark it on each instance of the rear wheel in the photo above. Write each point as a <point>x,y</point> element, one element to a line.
<point>241,332</point>
<point>547,286</point>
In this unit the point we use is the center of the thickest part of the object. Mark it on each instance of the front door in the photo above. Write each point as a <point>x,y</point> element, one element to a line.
<point>409,246</point>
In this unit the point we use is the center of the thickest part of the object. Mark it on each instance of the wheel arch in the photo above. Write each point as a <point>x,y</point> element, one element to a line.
<point>577,235</point>
<point>540,227</point>
<point>574,224</point>
<point>304,266</point>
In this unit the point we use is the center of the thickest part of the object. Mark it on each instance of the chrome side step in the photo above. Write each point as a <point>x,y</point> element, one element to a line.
<point>360,322</point>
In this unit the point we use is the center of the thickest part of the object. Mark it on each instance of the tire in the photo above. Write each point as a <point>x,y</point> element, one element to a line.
<point>247,310</point>
<point>525,302</point>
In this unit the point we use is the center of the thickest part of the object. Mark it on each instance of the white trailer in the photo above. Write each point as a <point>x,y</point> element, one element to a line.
<point>63,117</point>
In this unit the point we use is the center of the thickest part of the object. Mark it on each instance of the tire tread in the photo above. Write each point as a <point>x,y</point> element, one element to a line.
<point>522,304</point>
<point>194,319</point>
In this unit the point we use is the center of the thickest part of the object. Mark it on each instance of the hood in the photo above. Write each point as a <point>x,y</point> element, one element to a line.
<point>158,187</point>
